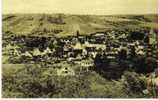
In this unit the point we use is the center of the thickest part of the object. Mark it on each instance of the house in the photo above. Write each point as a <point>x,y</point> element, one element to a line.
<point>47,51</point>
<point>97,35</point>
<point>140,50</point>
<point>77,46</point>
<point>27,54</point>
<point>77,49</point>
<point>37,52</point>
<point>65,71</point>
<point>96,46</point>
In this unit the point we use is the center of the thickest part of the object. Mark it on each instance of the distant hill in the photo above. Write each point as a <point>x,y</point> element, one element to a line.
<point>62,25</point>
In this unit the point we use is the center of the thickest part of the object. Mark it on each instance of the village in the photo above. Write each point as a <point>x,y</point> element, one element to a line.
<point>96,51</point>
<point>128,58</point>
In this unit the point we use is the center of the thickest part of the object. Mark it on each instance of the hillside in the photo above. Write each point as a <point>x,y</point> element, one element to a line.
<point>62,25</point>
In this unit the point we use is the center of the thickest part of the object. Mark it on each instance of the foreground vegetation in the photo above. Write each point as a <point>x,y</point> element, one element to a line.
<point>33,81</point>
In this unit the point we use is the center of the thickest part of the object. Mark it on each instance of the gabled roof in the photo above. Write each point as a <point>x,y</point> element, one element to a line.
<point>78,45</point>
<point>37,52</point>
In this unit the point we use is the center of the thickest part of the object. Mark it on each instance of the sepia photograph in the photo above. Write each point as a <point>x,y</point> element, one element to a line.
<point>79,49</point>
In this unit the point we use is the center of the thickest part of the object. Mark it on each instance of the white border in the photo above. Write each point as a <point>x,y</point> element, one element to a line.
<point>1,47</point>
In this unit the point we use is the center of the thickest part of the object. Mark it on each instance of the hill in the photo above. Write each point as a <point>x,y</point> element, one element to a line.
<point>63,25</point>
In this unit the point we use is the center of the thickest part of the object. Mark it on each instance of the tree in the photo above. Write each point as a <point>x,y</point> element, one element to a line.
<point>146,39</point>
<point>122,54</point>
<point>145,64</point>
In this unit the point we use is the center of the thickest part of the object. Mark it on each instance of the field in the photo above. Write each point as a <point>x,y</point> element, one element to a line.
<point>86,24</point>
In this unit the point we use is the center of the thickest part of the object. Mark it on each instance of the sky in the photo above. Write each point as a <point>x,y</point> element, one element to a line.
<point>98,7</point>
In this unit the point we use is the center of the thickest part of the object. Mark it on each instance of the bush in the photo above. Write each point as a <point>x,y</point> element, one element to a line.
<point>33,81</point>
<point>134,84</point>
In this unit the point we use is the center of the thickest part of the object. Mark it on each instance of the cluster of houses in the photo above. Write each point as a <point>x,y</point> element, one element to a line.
<point>79,49</point>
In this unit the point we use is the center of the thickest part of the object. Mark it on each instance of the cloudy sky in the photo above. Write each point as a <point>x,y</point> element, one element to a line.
<point>81,6</point>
